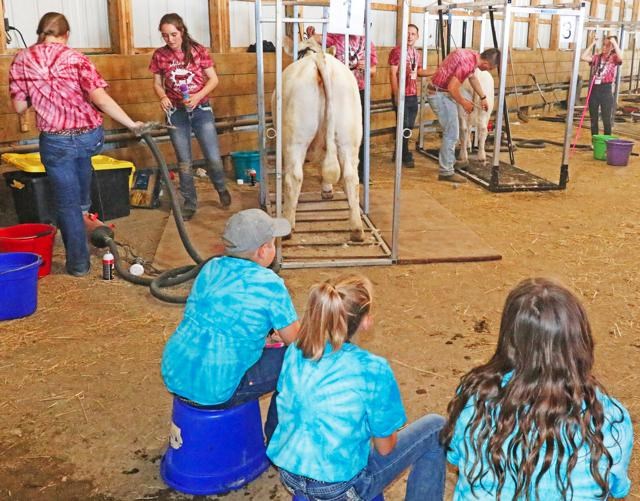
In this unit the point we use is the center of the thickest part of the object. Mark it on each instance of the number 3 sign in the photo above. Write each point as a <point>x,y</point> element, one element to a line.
<point>567,29</point>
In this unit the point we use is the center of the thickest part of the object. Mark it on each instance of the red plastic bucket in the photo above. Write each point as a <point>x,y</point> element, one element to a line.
<point>32,237</point>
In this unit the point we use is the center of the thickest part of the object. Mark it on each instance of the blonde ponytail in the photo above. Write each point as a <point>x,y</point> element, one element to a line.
<point>334,314</point>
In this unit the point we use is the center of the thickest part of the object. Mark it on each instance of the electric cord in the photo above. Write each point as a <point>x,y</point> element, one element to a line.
<point>10,39</point>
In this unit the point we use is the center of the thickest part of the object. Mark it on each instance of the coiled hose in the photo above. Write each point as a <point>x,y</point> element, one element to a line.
<point>103,237</point>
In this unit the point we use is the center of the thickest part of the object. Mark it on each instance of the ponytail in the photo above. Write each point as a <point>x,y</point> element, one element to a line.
<point>334,314</point>
<point>52,24</point>
<point>188,43</point>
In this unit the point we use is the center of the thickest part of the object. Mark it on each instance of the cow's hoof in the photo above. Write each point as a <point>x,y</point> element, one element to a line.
<point>357,236</point>
<point>327,195</point>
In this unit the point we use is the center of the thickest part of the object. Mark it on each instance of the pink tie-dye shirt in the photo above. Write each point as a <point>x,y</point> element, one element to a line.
<point>605,67</point>
<point>56,80</point>
<point>461,63</point>
<point>356,53</point>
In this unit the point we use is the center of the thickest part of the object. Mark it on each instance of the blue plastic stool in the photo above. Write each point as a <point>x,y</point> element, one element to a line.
<point>213,451</point>
<point>379,497</point>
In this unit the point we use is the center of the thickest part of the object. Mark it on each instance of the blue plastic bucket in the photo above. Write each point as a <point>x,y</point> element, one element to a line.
<point>245,163</point>
<point>212,451</point>
<point>18,284</point>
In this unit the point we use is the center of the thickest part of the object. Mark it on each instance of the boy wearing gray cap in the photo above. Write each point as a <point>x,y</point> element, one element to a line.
<point>217,357</point>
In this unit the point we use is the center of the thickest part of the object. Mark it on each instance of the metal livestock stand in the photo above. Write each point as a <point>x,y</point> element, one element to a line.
<point>389,255</point>
<point>524,181</point>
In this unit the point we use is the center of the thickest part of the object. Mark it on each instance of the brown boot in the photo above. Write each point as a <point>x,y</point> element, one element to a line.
<point>453,178</point>
<point>225,198</point>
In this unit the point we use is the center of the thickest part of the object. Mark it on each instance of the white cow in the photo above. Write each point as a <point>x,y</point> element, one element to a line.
<point>322,119</point>
<point>478,118</point>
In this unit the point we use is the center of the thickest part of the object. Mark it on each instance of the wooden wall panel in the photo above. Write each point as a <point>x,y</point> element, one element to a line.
<point>130,83</point>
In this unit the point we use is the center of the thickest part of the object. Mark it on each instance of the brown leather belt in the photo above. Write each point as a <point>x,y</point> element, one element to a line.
<point>71,132</point>
<point>435,89</point>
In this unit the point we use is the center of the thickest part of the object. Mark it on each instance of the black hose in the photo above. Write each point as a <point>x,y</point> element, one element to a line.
<point>103,237</point>
<point>174,277</point>
<point>177,213</point>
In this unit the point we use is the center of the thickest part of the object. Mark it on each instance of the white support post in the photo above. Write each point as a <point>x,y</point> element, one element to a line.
<point>564,168</point>
<point>278,122</point>
<point>504,51</point>
<point>366,132</point>
<point>400,131</point>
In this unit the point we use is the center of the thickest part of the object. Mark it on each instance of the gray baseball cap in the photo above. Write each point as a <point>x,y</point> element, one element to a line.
<point>249,229</point>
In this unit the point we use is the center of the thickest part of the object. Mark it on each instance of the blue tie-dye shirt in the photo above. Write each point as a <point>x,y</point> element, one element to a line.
<point>232,306</point>
<point>618,439</point>
<point>329,409</point>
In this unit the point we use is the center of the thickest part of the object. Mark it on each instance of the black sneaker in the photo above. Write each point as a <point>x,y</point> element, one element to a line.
<point>409,163</point>
<point>188,213</point>
<point>225,198</point>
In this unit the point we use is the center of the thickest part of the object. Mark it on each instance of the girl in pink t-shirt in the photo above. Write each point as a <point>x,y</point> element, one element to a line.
<point>183,78</point>
<point>604,67</point>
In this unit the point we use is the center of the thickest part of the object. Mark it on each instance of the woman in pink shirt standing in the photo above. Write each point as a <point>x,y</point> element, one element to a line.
<point>67,93</point>
<point>604,67</point>
<point>183,77</point>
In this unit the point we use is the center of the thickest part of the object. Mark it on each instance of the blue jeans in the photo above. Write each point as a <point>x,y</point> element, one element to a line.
<point>418,447</point>
<point>67,161</point>
<point>446,108</point>
<point>261,378</point>
<point>201,121</point>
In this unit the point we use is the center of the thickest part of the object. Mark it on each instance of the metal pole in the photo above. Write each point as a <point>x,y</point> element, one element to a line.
<point>278,122</point>
<point>616,93</point>
<point>633,60</point>
<point>443,49</point>
<point>464,35</point>
<point>325,28</point>
<point>366,132</point>
<point>501,112</point>
<point>262,140</point>
<point>395,226</point>
<point>505,56</point>
<point>294,34</point>
<point>422,103</point>
<point>564,167</point>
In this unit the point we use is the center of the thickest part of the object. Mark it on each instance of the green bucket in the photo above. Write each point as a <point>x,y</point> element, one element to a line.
<point>599,142</point>
<point>246,165</point>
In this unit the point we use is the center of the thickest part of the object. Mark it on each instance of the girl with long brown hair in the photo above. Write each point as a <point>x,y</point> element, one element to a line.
<point>183,77</point>
<point>339,409</point>
<point>534,422</point>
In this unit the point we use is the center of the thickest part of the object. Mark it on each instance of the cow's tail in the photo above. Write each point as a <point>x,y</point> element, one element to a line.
<point>330,165</point>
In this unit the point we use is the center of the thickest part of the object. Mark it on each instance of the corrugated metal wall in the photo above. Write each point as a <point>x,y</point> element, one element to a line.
<point>146,15</point>
<point>88,20</point>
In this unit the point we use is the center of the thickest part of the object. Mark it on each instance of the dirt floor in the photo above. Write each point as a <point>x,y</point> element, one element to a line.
<point>86,416</point>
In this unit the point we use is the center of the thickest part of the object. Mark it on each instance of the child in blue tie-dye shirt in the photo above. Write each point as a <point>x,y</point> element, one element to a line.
<point>534,423</point>
<point>339,409</point>
<point>217,357</point>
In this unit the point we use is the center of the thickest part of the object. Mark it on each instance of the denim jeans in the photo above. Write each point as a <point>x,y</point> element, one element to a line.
<point>202,122</point>
<point>261,378</point>
<point>67,162</point>
<point>418,447</point>
<point>446,108</point>
<point>601,99</point>
<point>410,113</point>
